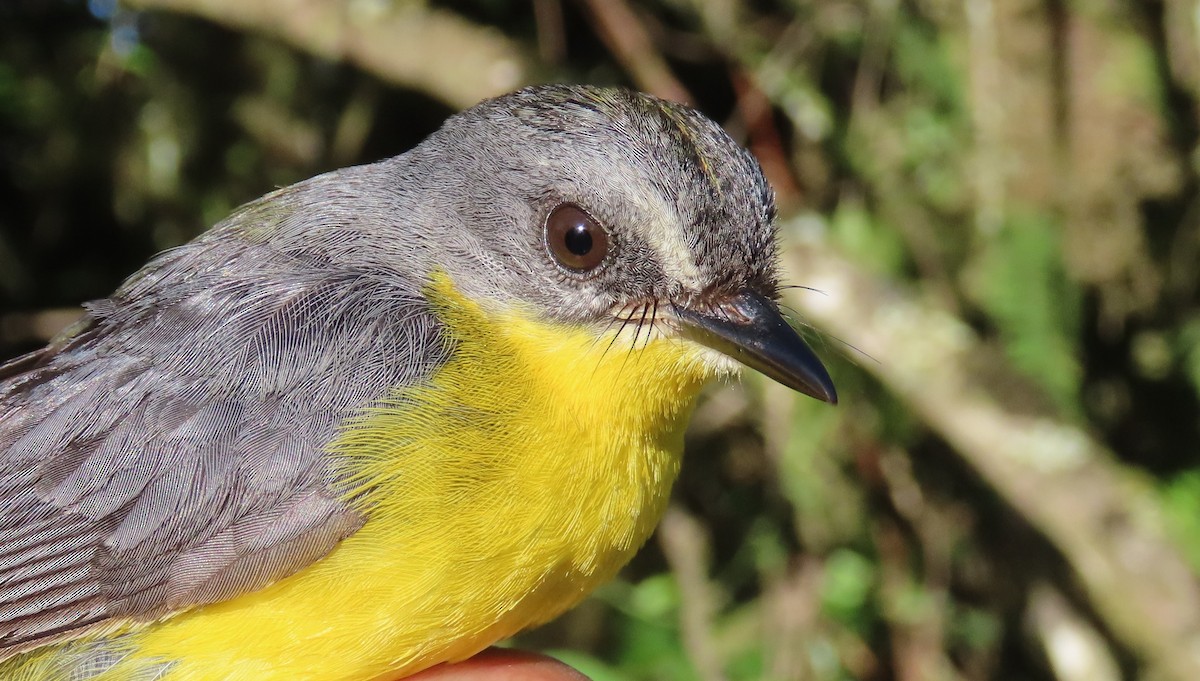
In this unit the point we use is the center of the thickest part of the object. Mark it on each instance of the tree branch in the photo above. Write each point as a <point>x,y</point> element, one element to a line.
<point>405,42</point>
<point>1102,517</point>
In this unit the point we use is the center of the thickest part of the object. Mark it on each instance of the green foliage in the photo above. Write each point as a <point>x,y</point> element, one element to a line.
<point>975,629</point>
<point>932,141</point>
<point>847,592</point>
<point>1132,71</point>
<point>1188,348</point>
<point>861,234</point>
<point>1020,280</point>
<point>1181,503</point>
<point>928,68</point>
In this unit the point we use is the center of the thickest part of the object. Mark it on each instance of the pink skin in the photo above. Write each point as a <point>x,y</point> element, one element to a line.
<point>497,664</point>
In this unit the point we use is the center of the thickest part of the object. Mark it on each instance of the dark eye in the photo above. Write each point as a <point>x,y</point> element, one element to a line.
<point>574,238</point>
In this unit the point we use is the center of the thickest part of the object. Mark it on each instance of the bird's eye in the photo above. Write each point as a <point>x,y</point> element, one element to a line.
<point>574,239</point>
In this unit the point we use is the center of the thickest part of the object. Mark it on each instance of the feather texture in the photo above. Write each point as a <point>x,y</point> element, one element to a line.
<point>168,452</point>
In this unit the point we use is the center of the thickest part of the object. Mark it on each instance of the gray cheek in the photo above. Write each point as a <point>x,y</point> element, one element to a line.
<point>635,274</point>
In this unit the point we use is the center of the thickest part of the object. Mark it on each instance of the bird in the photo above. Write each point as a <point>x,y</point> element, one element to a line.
<point>387,416</point>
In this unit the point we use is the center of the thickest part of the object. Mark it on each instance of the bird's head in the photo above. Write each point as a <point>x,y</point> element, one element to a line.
<point>619,211</point>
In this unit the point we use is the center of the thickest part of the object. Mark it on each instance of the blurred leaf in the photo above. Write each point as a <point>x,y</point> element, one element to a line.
<point>847,589</point>
<point>1021,281</point>
<point>858,231</point>
<point>1188,348</point>
<point>1181,503</point>
<point>925,64</point>
<point>975,628</point>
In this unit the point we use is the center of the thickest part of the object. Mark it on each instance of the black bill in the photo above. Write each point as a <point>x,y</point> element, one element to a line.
<point>750,329</point>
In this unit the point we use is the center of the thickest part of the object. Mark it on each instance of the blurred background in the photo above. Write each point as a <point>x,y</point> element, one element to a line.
<point>989,209</point>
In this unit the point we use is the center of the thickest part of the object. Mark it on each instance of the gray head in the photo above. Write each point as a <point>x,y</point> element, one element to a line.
<point>584,200</point>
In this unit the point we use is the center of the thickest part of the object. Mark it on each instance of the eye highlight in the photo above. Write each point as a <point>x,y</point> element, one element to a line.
<point>574,239</point>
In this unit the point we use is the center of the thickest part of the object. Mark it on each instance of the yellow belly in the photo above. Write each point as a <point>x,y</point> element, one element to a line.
<point>525,473</point>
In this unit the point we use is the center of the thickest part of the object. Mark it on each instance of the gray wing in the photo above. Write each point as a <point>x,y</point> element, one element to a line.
<point>168,452</point>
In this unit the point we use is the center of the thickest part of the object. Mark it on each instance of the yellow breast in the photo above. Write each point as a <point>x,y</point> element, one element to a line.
<point>524,473</point>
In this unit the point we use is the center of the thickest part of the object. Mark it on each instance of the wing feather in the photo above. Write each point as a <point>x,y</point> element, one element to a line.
<point>169,451</point>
